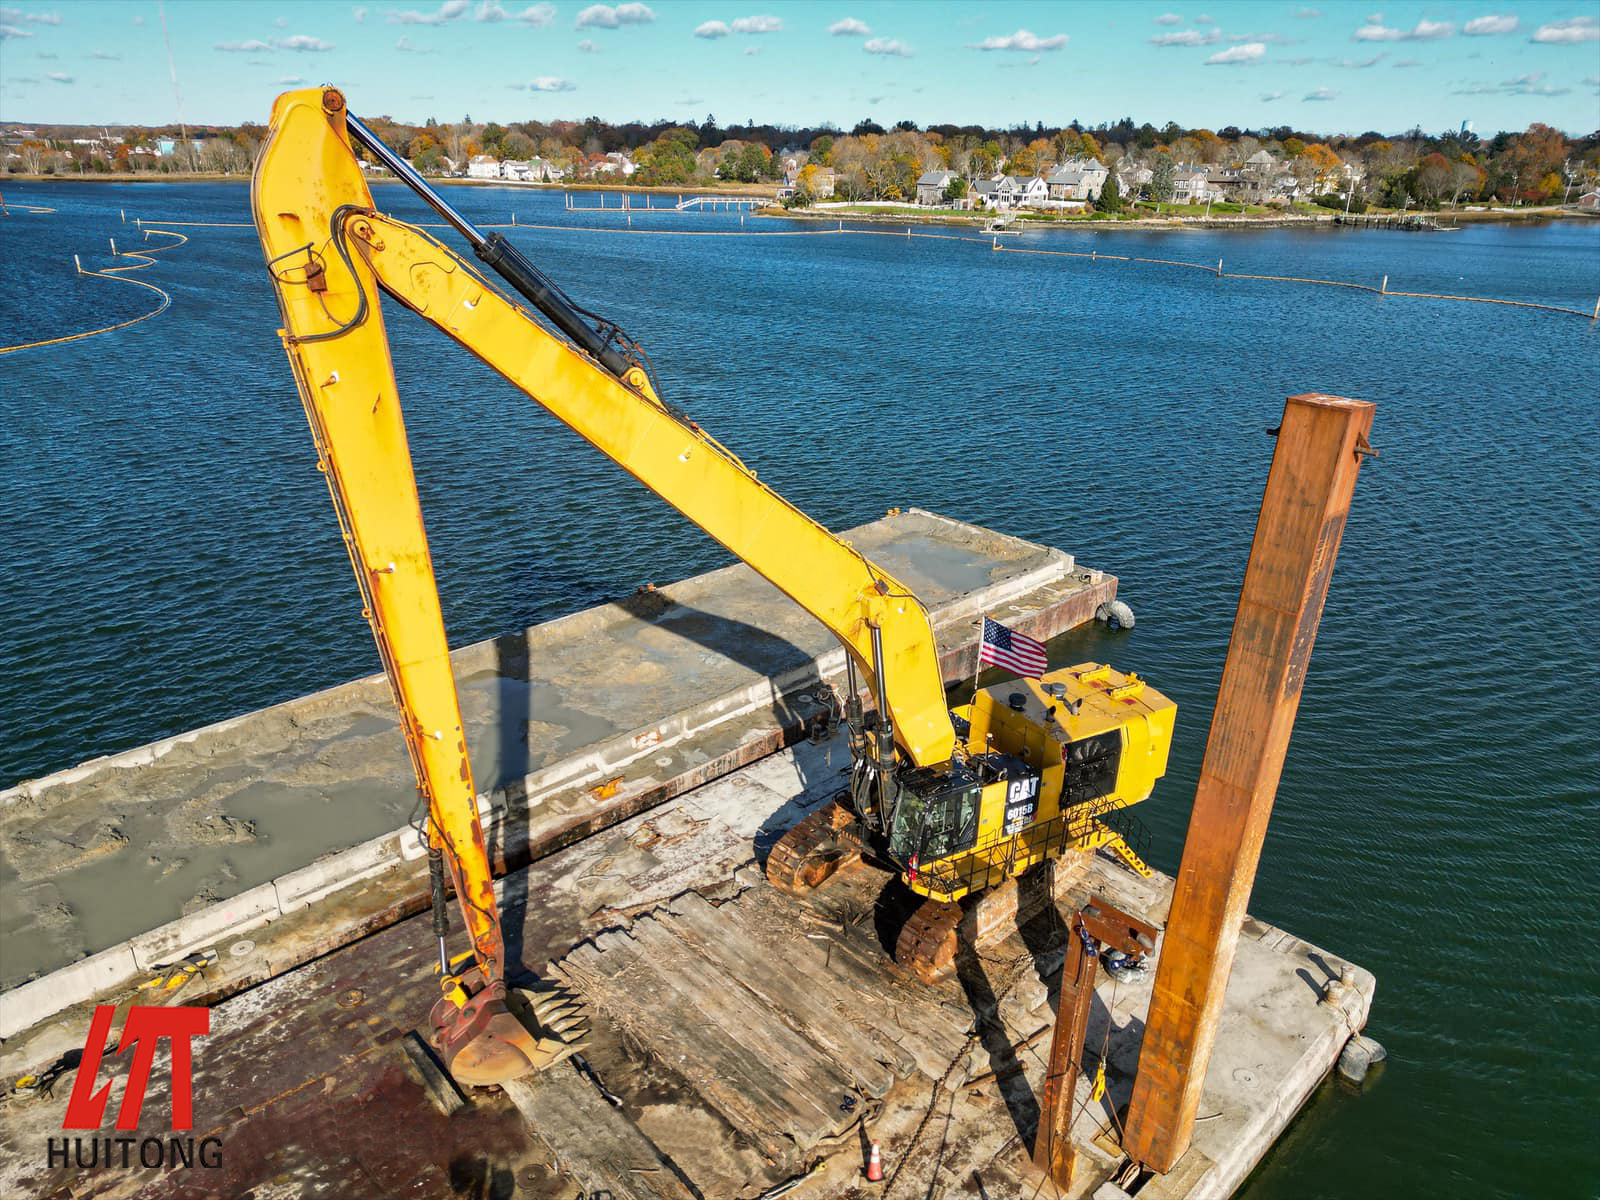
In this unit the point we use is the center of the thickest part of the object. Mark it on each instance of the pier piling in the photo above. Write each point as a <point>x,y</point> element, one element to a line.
<point>1321,445</point>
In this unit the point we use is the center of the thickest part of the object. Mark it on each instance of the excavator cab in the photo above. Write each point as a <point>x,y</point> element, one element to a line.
<point>937,814</point>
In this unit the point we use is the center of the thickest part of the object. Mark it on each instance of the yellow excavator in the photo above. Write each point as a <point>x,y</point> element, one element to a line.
<point>955,801</point>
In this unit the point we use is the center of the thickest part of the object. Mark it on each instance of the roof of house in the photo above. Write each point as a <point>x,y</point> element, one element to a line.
<point>935,178</point>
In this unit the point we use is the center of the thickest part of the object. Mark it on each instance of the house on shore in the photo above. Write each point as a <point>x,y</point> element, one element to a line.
<point>997,193</point>
<point>1076,179</point>
<point>1189,186</point>
<point>615,163</point>
<point>483,166</point>
<point>931,186</point>
<point>1132,178</point>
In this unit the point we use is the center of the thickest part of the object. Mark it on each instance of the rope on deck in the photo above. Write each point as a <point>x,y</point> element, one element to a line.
<point>141,260</point>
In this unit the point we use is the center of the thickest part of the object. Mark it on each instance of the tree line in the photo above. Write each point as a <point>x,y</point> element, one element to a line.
<point>871,162</point>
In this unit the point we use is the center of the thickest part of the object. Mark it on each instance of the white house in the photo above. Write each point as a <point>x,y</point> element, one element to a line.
<point>1000,192</point>
<point>533,170</point>
<point>615,163</point>
<point>1031,193</point>
<point>483,166</point>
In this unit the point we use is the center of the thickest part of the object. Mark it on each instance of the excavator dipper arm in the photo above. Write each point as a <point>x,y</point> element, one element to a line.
<point>329,253</point>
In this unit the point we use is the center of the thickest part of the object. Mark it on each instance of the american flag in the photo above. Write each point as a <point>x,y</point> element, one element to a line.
<point>1013,651</point>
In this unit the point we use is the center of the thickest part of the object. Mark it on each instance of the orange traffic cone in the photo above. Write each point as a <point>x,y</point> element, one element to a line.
<point>875,1165</point>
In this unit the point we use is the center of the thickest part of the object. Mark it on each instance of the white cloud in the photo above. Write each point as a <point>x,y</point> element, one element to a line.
<point>1426,31</point>
<point>253,46</point>
<point>713,29</point>
<point>893,47</point>
<point>1169,19</point>
<point>749,50</point>
<point>1308,14</point>
<point>549,83</point>
<point>448,11</point>
<point>1570,32</point>
<point>7,32</point>
<point>849,27</point>
<point>1364,63</point>
<point>1531,84</point>
<point>1485,26</point>
<point>106,56</point>
<point>765,24</point>
<point>536,15</point>
<point>588,47</point>
<point>406,46</point>
<point>1269,97</point>
<point>302,43</point>
<point>606,16</point>
<point>1202,19</point>
<point>282,22</point>
<point>1032,43</point>
<point>1321,94</point>
<point>360,15</point>
<point>1189,37</point>
<point>58,77</point>
<point>16,15</point>
<point>1247,53</point>
<point>290,81</point>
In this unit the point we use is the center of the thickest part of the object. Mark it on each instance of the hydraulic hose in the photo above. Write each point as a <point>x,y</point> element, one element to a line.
<point>506,260</point>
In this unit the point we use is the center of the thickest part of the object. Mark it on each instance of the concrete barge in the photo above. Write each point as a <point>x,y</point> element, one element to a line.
<point>743,1041</point>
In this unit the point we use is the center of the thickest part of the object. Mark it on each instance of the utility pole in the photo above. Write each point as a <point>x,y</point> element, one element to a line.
<point>1322,442</point>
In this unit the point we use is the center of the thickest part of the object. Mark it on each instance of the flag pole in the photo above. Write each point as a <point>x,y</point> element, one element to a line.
<point>977,666</point>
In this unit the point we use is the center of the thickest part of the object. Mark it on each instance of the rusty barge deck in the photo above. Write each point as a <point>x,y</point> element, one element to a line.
<point>744,1042</point>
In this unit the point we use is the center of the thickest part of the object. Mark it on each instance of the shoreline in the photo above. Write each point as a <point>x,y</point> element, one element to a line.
<point>959,220</point>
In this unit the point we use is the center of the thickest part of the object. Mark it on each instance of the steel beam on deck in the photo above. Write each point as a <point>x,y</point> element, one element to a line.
<point>1321,444</point>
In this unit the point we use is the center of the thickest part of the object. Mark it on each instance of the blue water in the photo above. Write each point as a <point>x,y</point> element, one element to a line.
<point>170,557</point>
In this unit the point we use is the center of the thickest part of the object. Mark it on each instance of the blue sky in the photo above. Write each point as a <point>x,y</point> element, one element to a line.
<point>1326,65</point>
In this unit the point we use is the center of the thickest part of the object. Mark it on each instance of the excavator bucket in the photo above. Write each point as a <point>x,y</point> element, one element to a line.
<point>504,1033</point>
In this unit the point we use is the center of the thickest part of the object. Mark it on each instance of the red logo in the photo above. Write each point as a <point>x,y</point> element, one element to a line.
<point>145,1026</point>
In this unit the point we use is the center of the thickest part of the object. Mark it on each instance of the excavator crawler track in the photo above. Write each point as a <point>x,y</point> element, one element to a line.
<point>802,859</point>
<point>927,942</point>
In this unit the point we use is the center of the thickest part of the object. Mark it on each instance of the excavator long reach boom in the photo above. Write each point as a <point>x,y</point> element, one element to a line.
<point>329,253</point>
